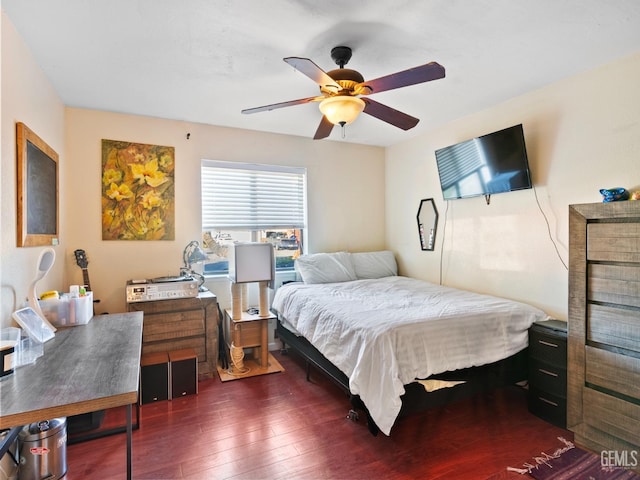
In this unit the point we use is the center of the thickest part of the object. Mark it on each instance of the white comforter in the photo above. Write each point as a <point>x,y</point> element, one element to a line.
<point>385,333</point>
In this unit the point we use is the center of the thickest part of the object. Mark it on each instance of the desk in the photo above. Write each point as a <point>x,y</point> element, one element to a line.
<point>83,369</point>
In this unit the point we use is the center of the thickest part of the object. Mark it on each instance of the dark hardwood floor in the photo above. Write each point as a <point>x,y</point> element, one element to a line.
<point>280,426</point>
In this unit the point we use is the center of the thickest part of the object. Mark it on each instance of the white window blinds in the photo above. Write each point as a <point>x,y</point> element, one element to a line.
<point>241,196</point>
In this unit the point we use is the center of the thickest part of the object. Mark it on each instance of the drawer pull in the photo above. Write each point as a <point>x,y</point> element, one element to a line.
<point>548,344</point>
<point>548,401</point>
<point>547,372</point>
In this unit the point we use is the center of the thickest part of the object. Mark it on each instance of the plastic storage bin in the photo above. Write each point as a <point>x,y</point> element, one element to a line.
<point>66,311</point>
<point>9,346</point>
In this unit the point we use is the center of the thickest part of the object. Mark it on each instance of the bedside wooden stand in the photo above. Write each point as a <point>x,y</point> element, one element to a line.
<point>548,371</point>
<point>250,331</point>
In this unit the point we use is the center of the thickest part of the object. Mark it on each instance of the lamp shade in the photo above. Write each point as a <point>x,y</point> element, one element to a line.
<point>341,109</point>
<point>251,262</point>
<point>195,254</point>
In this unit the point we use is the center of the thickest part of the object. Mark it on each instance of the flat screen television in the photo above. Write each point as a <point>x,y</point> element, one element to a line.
<point>493,163</point>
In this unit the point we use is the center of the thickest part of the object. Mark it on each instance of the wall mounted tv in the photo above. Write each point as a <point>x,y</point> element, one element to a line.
<point>493,163</point>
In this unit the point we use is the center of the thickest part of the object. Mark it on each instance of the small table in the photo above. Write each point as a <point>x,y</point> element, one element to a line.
<point>84,368</point>
<point>548,371</point>
<point>251,331</point>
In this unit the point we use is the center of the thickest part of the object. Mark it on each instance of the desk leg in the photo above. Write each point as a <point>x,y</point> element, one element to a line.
<point>264,344</point>
<point>129,431</point>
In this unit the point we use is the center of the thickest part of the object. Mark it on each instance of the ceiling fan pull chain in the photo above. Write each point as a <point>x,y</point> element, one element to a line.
<point>342,124</point>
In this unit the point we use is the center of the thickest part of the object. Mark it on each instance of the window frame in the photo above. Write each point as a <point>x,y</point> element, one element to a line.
<point>242,183</point>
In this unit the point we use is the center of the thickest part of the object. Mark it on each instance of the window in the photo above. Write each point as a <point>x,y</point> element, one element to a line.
<point>252,203</point>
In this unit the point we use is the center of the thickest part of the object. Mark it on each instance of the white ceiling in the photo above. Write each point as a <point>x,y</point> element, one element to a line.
<point>206,60</point>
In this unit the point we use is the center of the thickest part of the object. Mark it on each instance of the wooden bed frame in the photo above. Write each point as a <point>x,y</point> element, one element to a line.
<point>477,379</point>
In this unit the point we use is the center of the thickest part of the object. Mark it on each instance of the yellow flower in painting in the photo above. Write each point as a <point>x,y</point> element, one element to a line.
<point>155,223</point>
<point>148,173</point>
<point>141,230</point>
<point>166,161</point>
<point>150,200</point>
<point>111,176</point>
<point>156,179</point>
<point>107,216</point>
<point>128,215</point>
<point>119,192</point>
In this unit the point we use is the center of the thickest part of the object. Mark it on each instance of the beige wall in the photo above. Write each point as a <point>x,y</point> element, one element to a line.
<point>345,193</point>
<point>582,134</point>
<point>345,186</point>
<point>27,97</point>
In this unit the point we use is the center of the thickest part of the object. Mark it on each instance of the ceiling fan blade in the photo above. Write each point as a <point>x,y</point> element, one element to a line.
<point>313,71</point>
<point>290,103</point>
<point>421,74</point>
<point>389,115</point>
<point>324,129</point>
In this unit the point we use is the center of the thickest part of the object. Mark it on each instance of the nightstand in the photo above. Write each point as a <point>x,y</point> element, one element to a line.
<point>548,371</point>
<point>250,331</point>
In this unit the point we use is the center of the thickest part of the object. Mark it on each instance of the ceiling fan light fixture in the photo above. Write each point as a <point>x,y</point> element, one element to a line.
<point>341,109</point>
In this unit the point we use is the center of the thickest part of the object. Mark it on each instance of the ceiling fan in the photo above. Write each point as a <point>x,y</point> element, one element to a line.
<point>341,90</point>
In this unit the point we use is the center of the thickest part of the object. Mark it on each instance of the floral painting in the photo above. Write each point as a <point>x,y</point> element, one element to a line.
<point>137,191</point>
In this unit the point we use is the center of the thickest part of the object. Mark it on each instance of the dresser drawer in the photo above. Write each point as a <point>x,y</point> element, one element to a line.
<point>548,378</point>
<point>613,415</point>
<point>547,406</point>
<point>550,349</point>
<point>613,371</point>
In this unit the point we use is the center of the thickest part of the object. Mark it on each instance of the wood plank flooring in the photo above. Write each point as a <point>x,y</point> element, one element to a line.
<point>280,426</point>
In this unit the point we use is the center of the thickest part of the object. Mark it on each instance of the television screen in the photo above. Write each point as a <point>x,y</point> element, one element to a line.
<point>493,163</point>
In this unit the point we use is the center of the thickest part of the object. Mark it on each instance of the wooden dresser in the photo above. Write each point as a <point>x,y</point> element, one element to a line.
<point>171,325</point>
<point>603,394</point>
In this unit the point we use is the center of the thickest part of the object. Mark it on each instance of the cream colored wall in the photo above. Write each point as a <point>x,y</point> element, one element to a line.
<point>345,194</point>
<point>582,134</point>
<point>27,96</point>
<point>345,186</point>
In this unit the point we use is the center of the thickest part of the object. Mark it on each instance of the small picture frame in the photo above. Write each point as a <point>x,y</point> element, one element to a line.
<point>36,328</point>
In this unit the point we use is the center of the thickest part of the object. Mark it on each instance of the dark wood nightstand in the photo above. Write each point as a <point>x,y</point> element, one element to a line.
<point>548,371</point>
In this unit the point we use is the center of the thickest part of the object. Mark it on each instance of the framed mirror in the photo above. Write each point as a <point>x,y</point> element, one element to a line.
<point>427,224</point>
<point>37,190</point>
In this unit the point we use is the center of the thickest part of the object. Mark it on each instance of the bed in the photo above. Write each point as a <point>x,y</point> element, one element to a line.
<point>388,338</point>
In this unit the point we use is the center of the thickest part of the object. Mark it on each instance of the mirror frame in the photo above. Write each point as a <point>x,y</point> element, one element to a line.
<point>37,189</point>
<point>427,207</point>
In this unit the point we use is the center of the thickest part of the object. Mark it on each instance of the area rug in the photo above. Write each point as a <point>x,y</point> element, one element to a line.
<point>572,463</point>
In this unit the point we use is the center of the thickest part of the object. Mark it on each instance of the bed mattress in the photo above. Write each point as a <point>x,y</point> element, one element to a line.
<point>387,332</point>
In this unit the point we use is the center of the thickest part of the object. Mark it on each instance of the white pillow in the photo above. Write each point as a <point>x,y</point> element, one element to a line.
<point>374,264</point>
<point>325,267</point>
